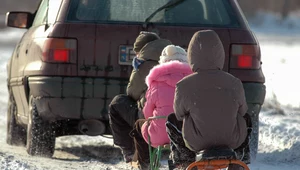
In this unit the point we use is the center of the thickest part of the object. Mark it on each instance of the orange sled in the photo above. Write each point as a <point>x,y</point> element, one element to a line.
<point>217,158</point>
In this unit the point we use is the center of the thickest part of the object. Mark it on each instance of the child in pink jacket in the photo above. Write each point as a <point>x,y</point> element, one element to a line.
<point>161,82</point>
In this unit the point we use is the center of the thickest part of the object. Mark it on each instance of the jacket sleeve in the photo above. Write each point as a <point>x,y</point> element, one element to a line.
<point>179,104</point>
<point>136,86</point>
<point>151,97</point>
<point>243,107</point>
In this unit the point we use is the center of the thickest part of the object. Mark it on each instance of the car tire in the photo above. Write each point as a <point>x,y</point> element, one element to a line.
<point>40,134</point>
<point>250,151</point>
<point>15,134</point>
<point>253,144</point>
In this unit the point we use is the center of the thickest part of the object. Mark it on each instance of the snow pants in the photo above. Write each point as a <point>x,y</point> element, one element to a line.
<point>123,112</point>
<point>141,146</point>
<point>180,154</point>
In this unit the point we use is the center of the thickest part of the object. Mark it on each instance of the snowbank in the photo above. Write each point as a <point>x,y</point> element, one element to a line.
<point>281,68</point>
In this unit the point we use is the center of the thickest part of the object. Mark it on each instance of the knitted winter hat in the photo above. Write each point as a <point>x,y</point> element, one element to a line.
<point>143,39</point>
<point>172,52</point>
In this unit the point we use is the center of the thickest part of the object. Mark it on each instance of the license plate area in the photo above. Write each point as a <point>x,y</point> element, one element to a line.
<point>126,55</point>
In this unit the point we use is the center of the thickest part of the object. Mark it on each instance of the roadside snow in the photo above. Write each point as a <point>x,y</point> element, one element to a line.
<point>281,69</point>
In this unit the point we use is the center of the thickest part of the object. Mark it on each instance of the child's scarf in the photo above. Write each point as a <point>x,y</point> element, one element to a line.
<point>136,63</point>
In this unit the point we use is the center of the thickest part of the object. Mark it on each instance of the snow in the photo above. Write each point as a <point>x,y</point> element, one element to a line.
<point>273,24</point>
<point>281,66</point>
<point>279,133</point>
<point>280,42</point>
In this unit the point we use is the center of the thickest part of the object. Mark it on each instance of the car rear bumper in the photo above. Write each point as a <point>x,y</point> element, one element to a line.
<point>255,92</point>
<point>59,98</point>
<point>255,95</point>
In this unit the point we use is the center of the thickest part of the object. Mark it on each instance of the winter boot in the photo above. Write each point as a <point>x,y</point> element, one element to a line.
<point>127,155</point>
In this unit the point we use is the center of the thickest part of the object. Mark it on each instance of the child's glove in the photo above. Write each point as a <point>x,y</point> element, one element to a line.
<point>136,63</point>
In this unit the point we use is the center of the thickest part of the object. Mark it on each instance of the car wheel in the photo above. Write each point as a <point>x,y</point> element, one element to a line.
<point>40,134</point>
<point>253,144</point>
<point>16,134</point>
<point>252,148</point>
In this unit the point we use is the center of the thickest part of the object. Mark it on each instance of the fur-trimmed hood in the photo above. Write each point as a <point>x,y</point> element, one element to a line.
<point>170,72</point>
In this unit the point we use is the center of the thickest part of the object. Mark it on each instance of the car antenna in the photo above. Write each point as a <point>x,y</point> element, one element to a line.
<point>171,3</point>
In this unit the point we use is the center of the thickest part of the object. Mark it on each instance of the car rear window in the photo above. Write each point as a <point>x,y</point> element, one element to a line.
<point>216,13</point>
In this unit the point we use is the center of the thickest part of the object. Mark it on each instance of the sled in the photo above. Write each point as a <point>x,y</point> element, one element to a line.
<point>221,157</point>
<point>216,159</point>
<point>209,159</point>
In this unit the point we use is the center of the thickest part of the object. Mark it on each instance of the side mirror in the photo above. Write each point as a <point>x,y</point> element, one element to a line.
<point>19,19</point>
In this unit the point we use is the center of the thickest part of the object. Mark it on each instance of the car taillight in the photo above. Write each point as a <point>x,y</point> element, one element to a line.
<point>245,57</point>
<point>56,50</point>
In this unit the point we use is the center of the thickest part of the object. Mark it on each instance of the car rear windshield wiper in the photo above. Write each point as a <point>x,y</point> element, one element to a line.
<point>171,3</point>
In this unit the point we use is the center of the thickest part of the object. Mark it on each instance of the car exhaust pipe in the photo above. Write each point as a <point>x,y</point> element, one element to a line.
<point>91,127</point>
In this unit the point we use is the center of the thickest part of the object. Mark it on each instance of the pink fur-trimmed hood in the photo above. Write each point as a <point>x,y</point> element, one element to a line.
<point>170,73</point>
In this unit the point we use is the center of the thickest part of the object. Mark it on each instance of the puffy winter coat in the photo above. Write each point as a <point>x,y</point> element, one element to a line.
<point>161,83</point>
<point>150,53</point>
<point>210,102</point>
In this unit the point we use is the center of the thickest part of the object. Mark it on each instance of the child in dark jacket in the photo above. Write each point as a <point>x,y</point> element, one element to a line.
<point>125,109</point>
<point>210,102</point>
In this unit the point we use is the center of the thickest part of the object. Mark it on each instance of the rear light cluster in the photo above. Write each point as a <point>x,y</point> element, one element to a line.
<point>57,50</point>
<point>245,57</point>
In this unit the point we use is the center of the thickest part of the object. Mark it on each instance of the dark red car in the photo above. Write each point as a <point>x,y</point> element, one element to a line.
<point>76,56</point>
